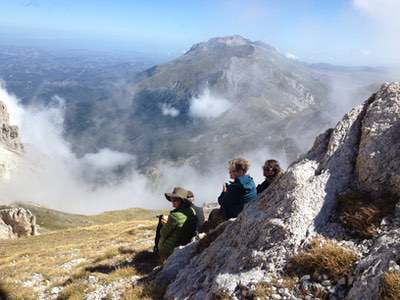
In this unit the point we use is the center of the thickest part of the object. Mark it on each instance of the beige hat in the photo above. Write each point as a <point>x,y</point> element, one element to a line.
<point>178,192</point>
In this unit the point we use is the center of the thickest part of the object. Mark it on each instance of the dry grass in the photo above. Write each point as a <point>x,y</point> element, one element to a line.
<point>144,292</point>
<point>362,215</point>
<point>106,250</point>
<point>74,291</point>
<point>222,295</point>
<point>323,258</point>
<point>108,254</point>
<point>263,290</point>
<point>390,287</point>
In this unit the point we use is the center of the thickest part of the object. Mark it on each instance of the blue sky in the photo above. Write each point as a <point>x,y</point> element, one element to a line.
<point>337,31</point>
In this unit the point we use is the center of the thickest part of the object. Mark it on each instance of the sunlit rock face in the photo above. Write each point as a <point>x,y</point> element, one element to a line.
<point>362,152</point>
<point>17,222</point>
<point>11,147</point>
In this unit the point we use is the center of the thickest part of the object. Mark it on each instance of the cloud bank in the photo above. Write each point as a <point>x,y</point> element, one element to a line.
<point>107,159</point>
<point>52,175</point>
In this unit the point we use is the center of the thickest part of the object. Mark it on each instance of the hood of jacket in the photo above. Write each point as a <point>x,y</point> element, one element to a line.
<point>246,181</point>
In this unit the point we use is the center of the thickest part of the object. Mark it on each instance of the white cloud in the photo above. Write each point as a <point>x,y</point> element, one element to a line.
<point>52,175</point>
<point>168,110</point>
<point>384,14</point>
<point>12,104</point>
<point>291,56</point>
<point>208,106</point>
<point>107,159</point>
<point>387,9</point>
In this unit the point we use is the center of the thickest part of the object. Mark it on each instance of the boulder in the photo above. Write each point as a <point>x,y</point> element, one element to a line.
<point>20,221</point>
<point>362,152</point>
<point>5,231</point>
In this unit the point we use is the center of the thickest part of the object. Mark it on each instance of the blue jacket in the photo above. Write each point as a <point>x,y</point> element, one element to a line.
<point>238,193</point>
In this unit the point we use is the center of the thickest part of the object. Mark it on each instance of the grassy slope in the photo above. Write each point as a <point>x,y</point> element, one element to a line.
<point>104,245</point>
<point>50,219</point>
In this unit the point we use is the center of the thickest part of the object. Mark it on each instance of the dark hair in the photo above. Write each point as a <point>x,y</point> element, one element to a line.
<point>274,164</point>
<point>185,203</point>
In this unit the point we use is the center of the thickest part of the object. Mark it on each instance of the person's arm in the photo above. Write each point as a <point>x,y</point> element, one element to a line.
<point>231,196</point>
<point>169,227</point>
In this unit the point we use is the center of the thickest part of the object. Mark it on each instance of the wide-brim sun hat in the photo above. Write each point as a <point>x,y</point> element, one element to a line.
<point>178,192</point>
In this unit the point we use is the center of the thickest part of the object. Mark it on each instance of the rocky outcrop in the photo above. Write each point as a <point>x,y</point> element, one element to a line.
<point>17,222</point>
<point>9,135</point>
<point>384,255</point>
<point>10,144</point>
<point>5,231</point>
<point>362,152</point>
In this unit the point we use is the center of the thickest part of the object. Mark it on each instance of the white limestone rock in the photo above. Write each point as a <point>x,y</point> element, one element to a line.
<point>5,231</point>
<point>380,143</point>
<point>11,147</point>
<point>21,221</point>
<point>384,252</point>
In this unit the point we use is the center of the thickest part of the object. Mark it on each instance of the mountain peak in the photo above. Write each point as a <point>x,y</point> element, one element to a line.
<point>232,40</point>
<point>226,41</point>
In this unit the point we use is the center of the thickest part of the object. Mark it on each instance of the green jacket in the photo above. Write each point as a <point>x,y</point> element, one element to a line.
<point>179,230</point>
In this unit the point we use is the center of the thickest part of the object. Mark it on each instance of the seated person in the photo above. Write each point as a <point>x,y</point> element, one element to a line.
<point>199,211</point>
<point>239,192</point>
<point>179,227</point>
<point>234,195</point>
<point>271,170</point>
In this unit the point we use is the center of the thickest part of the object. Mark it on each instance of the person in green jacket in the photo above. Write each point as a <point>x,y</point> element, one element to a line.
<point>179,227</point>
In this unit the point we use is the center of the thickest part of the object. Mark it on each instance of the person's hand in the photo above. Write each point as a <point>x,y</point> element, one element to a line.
<point>164,219</point>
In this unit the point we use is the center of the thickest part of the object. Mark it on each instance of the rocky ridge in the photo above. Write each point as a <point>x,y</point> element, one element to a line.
<point>361,153</point>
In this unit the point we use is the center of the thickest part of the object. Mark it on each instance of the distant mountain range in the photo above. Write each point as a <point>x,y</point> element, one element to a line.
<point>222,98</point>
